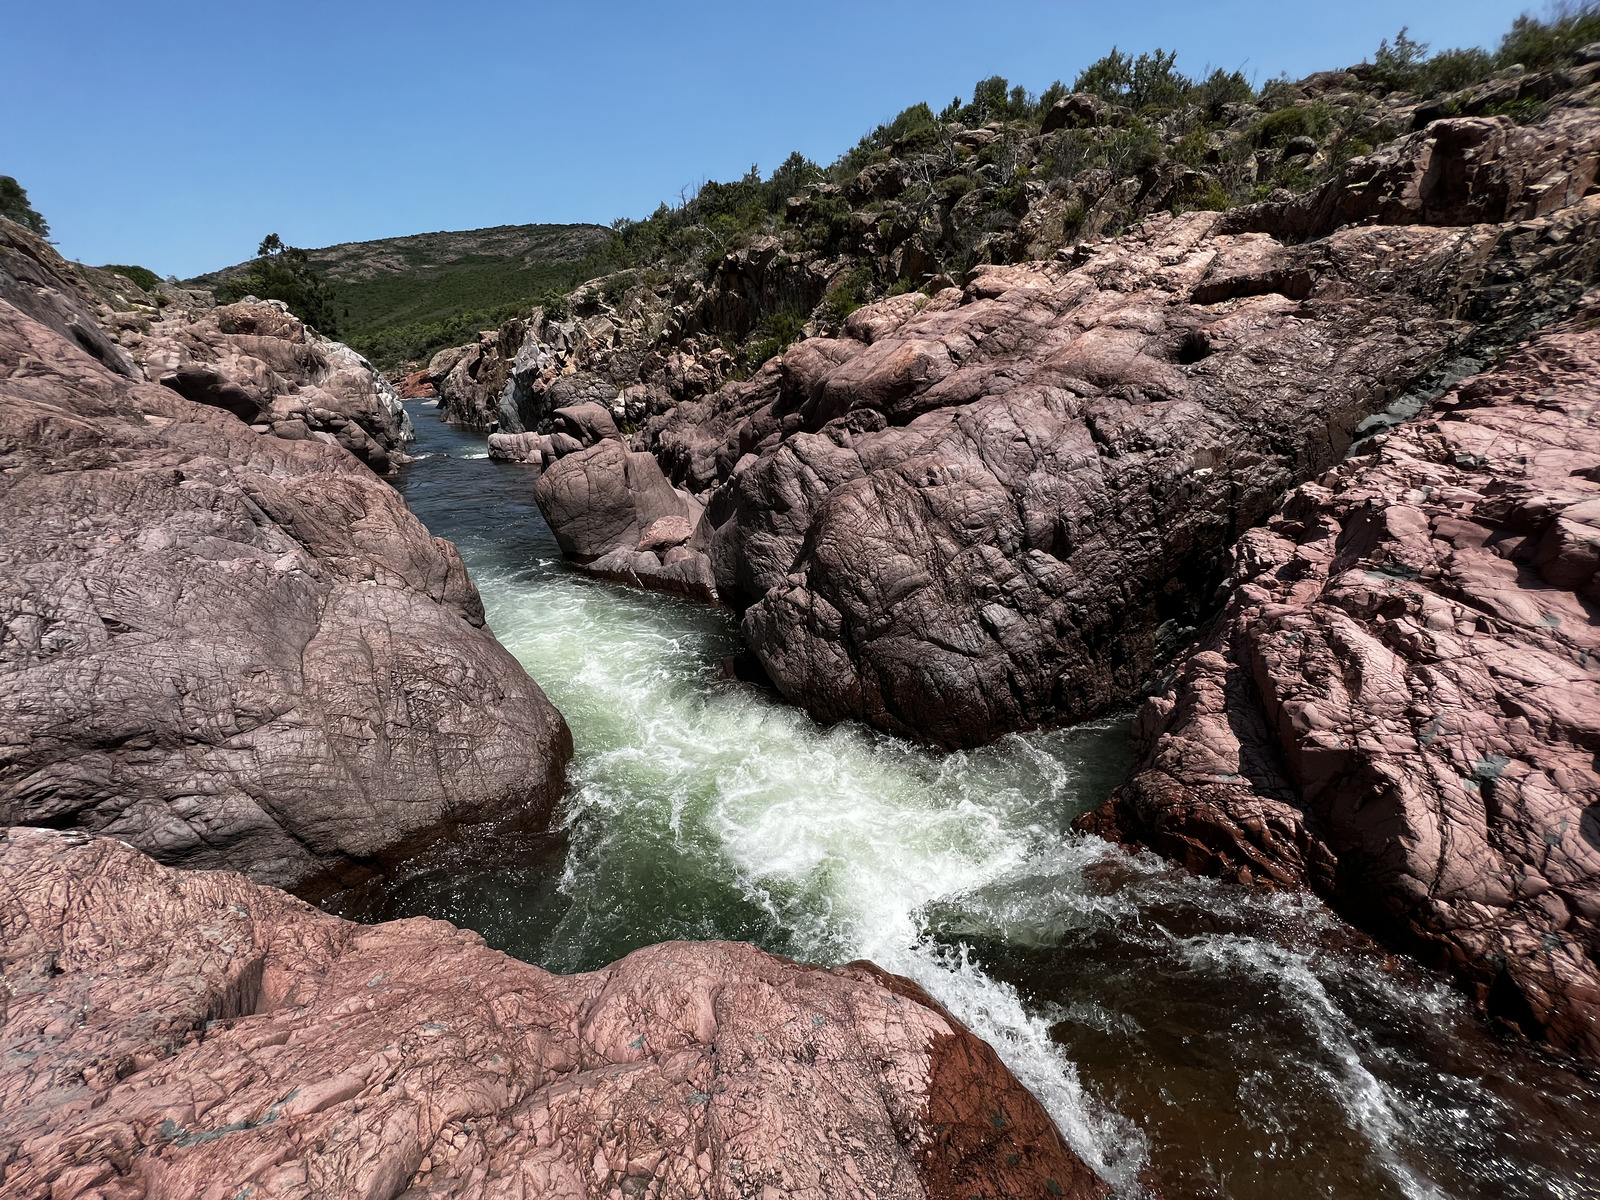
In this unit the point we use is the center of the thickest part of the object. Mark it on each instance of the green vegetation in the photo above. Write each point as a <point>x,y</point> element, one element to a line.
<point>776,334</point>
<point>144,277</point>
<point>280,272</point>
<point>1542,45</point>
<point>14,205</point>
<point>924,194</point>
<point>1531,43</point>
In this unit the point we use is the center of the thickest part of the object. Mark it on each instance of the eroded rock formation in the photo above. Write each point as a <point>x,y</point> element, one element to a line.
<point>192,1034</point>
<point>1009,504</point>
<point>237,650</point>
<point>1400,706</point>
<point>253,359</point>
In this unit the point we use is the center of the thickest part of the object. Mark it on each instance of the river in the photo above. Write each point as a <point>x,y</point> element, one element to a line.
<point>1183,1032</point>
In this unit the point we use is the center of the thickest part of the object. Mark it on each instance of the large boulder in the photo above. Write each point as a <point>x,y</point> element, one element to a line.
<point>1400,706</point>
<point>192,1034</point>
<point>257,361</point>
<point>614,513</point>
<point>236,650</point>
<point>1011,504</point>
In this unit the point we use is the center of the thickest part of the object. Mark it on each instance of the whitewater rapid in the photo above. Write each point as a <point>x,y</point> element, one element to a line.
<point>1177,1029</point>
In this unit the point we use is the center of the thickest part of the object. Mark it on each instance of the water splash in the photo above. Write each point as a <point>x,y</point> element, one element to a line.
<point>1219,1042</point>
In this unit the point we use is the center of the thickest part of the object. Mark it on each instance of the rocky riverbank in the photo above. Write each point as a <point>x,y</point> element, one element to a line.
<point>193,1034</point>
<point>1010,503</point>
<point>1400,707</point>
<point>232,645</point>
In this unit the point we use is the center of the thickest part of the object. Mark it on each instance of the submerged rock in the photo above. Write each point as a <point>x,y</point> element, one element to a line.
<point>1400,707</point>
<point>192,1034</point>
<point>237,650</point>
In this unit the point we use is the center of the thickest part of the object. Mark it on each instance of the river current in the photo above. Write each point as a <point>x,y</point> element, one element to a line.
<point>1184,1033</point>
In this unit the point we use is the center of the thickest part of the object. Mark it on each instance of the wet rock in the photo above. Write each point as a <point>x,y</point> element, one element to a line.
<point>614,512</point>
<point>1400,706</point>
<point>237,650</point>
<point>193,1034</point>
<point>532,448</point>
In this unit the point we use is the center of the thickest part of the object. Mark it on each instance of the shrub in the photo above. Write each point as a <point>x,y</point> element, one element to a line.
<point>1540,45</point>
<point>1148,81</point>
<point>1276,128</point>
<point>1222,88</point>
<point>145,278</point>
<point>850,294</point>
<point>781,329</point>
<point>953,187</point>
<point>1399,67</point>
<point>1131,149</point>
<point>1450,70</point>
<point>14,205</point>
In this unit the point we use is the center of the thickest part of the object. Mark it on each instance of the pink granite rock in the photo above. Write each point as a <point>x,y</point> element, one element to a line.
<point>190,1034</point>
<point>237,650</point>
<point>1400,706</point>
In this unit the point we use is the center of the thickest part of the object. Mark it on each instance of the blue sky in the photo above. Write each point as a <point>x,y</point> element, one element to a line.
<point>174,135</point>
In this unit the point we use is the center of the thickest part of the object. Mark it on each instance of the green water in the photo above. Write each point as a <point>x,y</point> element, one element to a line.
<point>1182,1032</point>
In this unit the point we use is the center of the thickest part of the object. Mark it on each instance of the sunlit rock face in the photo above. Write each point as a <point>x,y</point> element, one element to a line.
<point>233,649</point>
<point>1401,705</point>
<point>193,1034</point>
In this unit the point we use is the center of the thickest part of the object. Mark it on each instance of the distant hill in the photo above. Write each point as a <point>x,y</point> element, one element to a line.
<point>398,298</point>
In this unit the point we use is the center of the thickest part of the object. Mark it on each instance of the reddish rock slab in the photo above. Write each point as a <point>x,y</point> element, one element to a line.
<point>237,650</point>
<point>1400,706</point>
<point>172,1033</point>
<point>417,386</point>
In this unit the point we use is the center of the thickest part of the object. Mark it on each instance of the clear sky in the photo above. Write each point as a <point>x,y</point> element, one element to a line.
<point>175,135</point>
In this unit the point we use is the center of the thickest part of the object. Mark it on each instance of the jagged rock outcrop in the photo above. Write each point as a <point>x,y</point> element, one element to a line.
<point>1460,171</point>
<point>262,364</point>
<point>192,1034</point>
<point>1009,504</point>
<point>252,358</point>
<point>1400,706</point>
<point>237,650</point>
<point>54,292</point>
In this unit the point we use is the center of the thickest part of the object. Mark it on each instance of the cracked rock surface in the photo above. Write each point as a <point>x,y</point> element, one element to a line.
<point>1009,504</point>
<point>236,650</point>
<point>1400,706</point>
<point>192,1034</point>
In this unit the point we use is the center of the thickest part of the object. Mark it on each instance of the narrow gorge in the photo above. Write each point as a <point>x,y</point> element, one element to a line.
<point>1023,669</point>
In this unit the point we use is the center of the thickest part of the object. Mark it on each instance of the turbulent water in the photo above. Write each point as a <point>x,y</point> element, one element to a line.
<point>1185,1034</point>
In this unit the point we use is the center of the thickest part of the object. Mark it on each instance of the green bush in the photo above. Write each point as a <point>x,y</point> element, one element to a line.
<point>1451,70</point>
<point>14,205</point>
<point>851,294</point>
<point>1398,67</point>
<point>142,276</point>
<point>953,187</point>
<point>1541,45</point>
<point>780,329</point>
<point>1222,88</point>
<point>1146,82</point>
<point>1276,128</point>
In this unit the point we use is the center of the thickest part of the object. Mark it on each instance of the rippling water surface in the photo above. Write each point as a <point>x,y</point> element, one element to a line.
<point>1184,1033</point>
